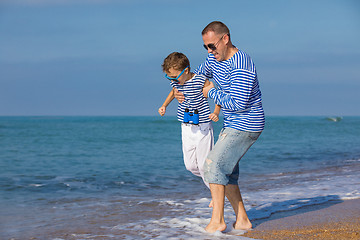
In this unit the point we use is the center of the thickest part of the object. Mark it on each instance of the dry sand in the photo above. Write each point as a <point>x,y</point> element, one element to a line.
<point>334,220</point>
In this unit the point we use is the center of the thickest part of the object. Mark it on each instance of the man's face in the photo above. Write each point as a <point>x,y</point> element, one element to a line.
<point>212,40</point>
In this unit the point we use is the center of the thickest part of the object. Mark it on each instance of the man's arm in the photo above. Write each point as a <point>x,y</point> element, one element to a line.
<point>240,90</point>
<point>168,100</point>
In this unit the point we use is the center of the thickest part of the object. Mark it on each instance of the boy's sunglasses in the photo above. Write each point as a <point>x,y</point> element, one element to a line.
<point>175,79</point>
<point>213,46</point>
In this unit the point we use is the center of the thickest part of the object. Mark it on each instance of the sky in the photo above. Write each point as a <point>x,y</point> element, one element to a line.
<point>103,57</point>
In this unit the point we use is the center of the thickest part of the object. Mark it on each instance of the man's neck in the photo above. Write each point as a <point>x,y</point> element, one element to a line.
<point>231,51</point>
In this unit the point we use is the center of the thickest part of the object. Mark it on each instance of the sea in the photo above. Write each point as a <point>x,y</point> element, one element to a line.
<point>64,177</point>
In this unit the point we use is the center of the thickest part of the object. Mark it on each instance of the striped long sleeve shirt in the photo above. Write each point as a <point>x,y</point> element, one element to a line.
<point>237,91</point>
<point>194,99</point>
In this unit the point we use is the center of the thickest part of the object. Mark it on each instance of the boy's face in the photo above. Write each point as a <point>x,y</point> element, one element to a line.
<point>173,73</point>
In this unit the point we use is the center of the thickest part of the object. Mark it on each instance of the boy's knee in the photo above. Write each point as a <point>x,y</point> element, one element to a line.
<point>191,168</point>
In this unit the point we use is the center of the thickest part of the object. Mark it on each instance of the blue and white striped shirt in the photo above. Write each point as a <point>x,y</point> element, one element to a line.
<point>194,98</point>
<point>238,91</point>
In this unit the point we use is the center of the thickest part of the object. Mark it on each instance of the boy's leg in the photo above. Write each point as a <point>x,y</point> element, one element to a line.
<point>189,150</point>
<point>205,137</point>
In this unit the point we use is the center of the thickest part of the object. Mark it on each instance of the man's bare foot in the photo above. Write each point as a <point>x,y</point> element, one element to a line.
<point>211,204</point>
<point>242,225</point>
<point>212,227</point>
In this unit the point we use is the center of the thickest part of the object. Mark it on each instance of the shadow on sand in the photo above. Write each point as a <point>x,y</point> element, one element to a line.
<point>297,207</point>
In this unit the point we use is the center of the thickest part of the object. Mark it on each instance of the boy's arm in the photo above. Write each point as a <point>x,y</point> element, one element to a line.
<point>206,83</point>
<point>217,109</point>
<point>168,100</point>
<point>215,115</point>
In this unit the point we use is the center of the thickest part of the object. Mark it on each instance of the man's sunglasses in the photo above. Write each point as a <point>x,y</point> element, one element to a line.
<point>213,46</point>
<point>175,79</point>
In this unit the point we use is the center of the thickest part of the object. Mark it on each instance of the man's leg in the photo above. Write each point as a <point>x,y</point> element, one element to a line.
<point>221,167</point>
<point>217,222</point>
<point>233,194</point>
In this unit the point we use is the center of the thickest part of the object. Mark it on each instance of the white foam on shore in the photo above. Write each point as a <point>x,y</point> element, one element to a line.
<point>192,216</point>
<point>185,217</point>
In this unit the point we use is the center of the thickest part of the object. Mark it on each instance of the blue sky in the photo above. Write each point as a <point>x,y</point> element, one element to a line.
<point>78,57</point>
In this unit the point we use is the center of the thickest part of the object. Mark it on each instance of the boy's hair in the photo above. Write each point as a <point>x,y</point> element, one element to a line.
<point>175,60</point>
<point>216,27</point>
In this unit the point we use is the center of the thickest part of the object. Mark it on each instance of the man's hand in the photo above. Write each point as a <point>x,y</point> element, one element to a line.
<point>162,110</point>
<point>179,96</point>
<point>207,88</point>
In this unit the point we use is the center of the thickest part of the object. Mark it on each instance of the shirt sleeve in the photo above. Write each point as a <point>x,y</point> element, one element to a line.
<point>204,69</point>
<point>237,99</point>
<point>200,80</point>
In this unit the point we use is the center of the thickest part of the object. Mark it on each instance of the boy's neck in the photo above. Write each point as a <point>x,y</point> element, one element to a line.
<point>187,76</point>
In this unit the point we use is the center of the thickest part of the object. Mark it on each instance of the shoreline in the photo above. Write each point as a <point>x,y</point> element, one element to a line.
<point>331,220</point>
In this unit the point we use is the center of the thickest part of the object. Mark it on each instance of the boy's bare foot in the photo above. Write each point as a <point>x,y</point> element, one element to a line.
<point>213,227</point>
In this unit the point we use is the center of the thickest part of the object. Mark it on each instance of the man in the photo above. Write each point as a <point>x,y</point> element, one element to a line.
<point>239,96</point>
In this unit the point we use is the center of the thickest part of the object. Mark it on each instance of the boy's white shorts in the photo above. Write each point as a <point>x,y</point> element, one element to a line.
<point>197,142</point>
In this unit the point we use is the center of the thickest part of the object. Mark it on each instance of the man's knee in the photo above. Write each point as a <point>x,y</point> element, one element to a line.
<point>213,173</point>
<point>207,166</point>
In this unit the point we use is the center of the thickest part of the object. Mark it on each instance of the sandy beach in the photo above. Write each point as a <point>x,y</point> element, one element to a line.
<point>334,220</point>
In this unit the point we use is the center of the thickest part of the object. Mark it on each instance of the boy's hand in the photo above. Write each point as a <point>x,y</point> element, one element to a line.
<point>179,96</point>
<point>214,117</point>
<point>162,110</point>
<point>207,88</point>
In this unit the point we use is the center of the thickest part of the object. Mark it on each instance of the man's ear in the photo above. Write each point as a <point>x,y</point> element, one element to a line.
<point>227,38</point>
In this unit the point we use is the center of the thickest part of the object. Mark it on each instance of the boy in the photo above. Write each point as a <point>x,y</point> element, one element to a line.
<point>197,138</point>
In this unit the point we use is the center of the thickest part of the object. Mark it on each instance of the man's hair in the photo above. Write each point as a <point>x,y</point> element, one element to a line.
<point>216,27</point>
<point>175,60</point>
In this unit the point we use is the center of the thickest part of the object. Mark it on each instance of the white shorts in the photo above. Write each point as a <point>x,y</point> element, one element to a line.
<point>197,142</point>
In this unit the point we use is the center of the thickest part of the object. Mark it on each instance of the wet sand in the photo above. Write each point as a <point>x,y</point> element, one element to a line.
<point>333,220</point>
